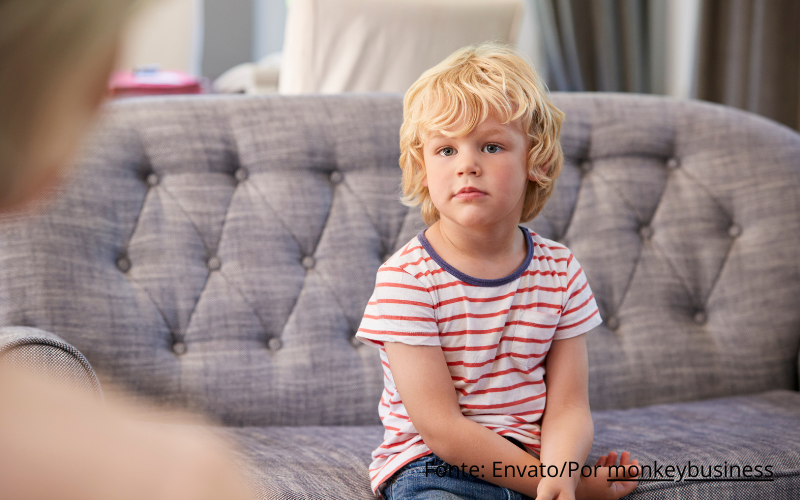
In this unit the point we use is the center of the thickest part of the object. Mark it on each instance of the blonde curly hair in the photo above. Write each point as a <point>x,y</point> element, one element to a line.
<point>466,87</point>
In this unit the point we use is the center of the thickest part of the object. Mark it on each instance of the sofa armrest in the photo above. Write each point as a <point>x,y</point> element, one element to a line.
<point>48,353</point>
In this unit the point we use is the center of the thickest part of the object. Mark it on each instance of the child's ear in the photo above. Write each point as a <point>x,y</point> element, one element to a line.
<point>425,180</point>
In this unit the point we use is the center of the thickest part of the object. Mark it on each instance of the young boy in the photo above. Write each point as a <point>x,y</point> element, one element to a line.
<point>473,312</point>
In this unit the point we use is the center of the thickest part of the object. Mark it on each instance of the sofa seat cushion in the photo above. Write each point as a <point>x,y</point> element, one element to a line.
<point>309,462</point>
<point>759,429</point>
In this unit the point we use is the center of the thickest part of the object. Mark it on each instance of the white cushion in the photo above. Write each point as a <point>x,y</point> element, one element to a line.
<point>334,46</point>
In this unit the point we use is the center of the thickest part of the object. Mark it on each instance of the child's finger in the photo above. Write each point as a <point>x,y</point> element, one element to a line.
<point>625,459</point>
<point>612,458</point>
<point>601,461</point>
<point>632,469</point>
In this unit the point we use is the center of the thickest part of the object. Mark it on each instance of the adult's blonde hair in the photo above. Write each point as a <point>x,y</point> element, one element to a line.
<point>41,42</point>
<point>465,88</point>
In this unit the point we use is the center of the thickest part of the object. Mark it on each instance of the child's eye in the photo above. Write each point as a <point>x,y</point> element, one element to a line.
<point>447,151</point>
<point>492,148</point>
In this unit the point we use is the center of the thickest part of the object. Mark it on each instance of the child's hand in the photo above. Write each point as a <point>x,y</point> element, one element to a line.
<point>597,486</point>
<point>555,488</point>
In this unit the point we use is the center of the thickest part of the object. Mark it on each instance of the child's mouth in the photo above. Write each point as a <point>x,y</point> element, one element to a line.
<point>469,195</point>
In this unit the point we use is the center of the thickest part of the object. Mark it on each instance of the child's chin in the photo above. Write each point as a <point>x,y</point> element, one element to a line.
<point>472,220</point>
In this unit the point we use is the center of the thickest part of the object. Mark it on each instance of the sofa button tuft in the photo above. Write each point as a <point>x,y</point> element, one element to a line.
<point>673,163</point>
<point>646,232</point>
<point>308,261</point>
<point>123,264</point>
<point>274,344</point>
<point>179,348</point>
<point>337,177</point>
<point>734,230</point>
<point>700,317</point>
<point>241,174</point>
<point>214,263</point>
<point>152,180</point>
<point>613,323</point>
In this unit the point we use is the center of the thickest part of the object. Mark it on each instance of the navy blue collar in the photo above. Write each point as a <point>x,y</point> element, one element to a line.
<point>478,281</point>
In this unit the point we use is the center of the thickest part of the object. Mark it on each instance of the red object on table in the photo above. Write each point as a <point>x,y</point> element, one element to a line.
<point>151,81</point>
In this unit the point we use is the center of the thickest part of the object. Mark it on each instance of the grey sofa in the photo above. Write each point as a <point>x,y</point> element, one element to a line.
<point>217,253</point>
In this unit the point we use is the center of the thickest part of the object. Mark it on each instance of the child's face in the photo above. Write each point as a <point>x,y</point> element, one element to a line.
<point>492,159</point>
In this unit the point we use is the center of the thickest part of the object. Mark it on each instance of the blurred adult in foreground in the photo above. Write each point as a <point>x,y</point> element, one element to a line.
<point>57,442</point>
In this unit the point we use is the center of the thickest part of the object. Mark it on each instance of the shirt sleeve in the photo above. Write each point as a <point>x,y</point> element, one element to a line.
<point>400,310</point>
<point>579,312</point>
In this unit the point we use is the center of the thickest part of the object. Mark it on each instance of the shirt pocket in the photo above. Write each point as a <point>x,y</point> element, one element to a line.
<point>533,335</point>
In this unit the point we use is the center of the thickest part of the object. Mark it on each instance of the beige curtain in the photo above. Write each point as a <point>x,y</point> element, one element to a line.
<point>749,57</point>
<point>643,46</point>
<point>742,53</point>
<point>597,45</point>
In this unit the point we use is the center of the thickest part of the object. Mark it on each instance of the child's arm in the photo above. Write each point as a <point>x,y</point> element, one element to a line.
<point>423,381</point>
<point>567,428</point>
<point>568,431</point>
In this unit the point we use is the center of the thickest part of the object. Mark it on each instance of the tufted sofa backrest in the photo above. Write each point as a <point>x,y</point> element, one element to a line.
<point>218,252</point>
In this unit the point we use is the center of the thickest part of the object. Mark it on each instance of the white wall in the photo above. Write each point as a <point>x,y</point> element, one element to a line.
<point>228,35</point>
<point>269,19</point>
<point>203,37</point>
<point>165,32</point>
<point>683,18</point>
<point>176,35</point>
<point>530,41</point>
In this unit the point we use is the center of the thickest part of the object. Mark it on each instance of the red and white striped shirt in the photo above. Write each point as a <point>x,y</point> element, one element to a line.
<point>495,335</point>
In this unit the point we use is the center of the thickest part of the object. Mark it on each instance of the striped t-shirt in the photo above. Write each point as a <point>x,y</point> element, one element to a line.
<point>494,333</point>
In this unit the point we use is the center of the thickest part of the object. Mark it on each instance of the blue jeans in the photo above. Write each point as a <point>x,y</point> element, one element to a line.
<point>419,480</point>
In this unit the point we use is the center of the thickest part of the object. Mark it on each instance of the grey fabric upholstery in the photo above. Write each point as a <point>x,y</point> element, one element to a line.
<point>47,354</point>
<point>757,430</point>
<point>217,253</point>
<point>760,429</point>
<point>308,462</point>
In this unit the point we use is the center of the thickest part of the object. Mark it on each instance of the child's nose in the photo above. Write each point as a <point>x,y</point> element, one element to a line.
<point>468,164</point>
